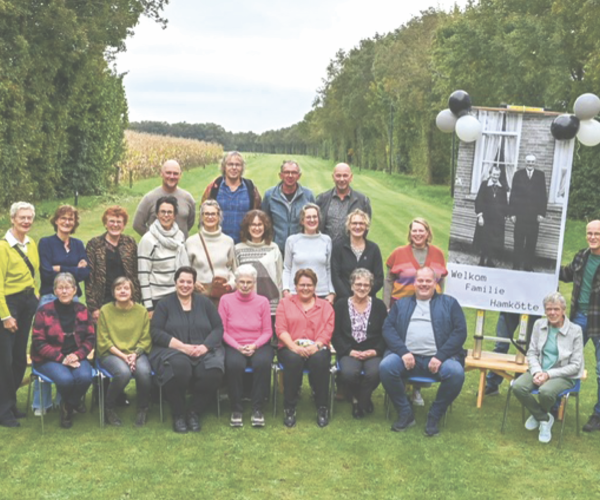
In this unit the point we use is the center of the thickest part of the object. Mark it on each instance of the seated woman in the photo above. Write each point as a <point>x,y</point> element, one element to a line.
<point>63,336</point>
<point>555,358</point>
<point>353,252</point>
<point>123,344</point>
<point>186,351</point>
<point>358,341</point>
<point>304,325</point>
<point>247,331</point>
<point>60,253</point>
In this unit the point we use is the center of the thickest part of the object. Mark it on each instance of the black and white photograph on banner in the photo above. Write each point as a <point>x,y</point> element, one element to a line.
<point>510,204</point>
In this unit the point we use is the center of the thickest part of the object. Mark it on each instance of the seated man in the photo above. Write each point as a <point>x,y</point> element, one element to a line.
<point>424,335</point>
<point>555,363</point>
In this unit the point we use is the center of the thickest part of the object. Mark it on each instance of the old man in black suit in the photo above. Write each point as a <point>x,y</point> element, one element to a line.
<point>527,208</point>
<point>491,207</point>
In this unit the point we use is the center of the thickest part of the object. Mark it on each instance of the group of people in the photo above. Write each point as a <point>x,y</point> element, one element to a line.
<point>286,273</point>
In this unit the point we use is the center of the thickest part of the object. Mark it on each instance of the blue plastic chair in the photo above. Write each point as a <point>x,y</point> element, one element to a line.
<point>43,379</point>
<point>104,373</point>
<point>415,380</point>
<point>563,397</point>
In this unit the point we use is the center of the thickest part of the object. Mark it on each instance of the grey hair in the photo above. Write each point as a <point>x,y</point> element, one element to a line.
<point>291,162</point>
<point>64,277</point>
<point>361,272</point>
<point>210,203</point>
<point>555,298</point>
<point>20,205</point>
<point>246,270</point>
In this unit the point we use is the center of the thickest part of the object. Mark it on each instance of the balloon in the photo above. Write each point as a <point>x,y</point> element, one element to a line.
<point>587,106</point>
<point>589,132</point>
<point>468,128</point>
<point>446,121</point>
<point>565,127</point>
<point>459,101</point>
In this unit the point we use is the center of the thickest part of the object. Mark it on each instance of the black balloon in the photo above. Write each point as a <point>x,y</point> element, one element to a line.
<point>565,127</point>
<point>459,102</point>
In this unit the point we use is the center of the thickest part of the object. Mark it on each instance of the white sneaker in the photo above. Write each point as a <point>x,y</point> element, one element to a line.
<point>38,412</point>
<point>546,430</point>
<point>417,398</point>
<point>531,424</point>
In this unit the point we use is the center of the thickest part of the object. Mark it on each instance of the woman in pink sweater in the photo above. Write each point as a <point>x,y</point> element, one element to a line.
<point>247,331</point>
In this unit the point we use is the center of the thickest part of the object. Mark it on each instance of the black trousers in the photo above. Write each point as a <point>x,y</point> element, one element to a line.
<point>360,385</point>
<point>526,237</point>
<point>235,366</point>
<point>13,349</point>
<point>318,366</point>
<point>203,384</point>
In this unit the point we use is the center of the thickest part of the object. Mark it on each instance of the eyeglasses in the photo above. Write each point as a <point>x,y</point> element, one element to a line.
<point>305,285</point>
<point>64,288</point>
<point>166,212</point>
<point>211,214</point>
<point>362,285</point>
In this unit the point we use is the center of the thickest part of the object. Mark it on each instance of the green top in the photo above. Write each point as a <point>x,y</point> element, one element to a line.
<point>550,350</point>
<point>14,273</point>
<point>589,272</point>
<point>126,329</point>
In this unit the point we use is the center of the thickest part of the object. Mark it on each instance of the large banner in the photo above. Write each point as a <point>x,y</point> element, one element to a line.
<point>508,222</point>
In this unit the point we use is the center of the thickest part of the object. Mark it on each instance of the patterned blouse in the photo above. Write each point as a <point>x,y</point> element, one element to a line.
<point>359,321</point>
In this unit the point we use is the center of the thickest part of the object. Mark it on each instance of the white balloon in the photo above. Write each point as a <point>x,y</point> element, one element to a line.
<point>446,121</point>
<point>589,132</point>
<point>468,128</point>
<point>586,106</point>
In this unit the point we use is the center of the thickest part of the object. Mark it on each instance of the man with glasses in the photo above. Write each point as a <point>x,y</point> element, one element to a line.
<point>234,193</point>
<point>145,214</point>
<point>284,201</point>
<point>338,202</point>
<point>584,273</point>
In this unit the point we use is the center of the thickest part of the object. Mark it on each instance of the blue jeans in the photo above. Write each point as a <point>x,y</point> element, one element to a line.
<point>581,320</point>
<point>121,375</point>
<point>71,383</point>
<point>46,388</point>
<point>451,375</point>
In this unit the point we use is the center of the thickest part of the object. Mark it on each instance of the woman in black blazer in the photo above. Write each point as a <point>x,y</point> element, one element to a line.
<point>358,341</point>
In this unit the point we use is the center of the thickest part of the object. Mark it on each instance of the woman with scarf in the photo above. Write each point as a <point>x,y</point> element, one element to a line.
<point>160,253</point>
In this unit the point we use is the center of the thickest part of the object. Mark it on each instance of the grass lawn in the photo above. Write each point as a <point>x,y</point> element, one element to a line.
<point>348,459</point>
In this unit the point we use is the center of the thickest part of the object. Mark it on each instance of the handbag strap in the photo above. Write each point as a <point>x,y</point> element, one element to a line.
<point>26,259</point>
<point>207,254</point>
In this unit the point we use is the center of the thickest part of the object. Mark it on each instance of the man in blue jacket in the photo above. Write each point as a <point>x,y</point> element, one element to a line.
<point>284,201</point>
<point>424,335</point>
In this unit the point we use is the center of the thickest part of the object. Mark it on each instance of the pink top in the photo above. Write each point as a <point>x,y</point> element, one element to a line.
<point>315,324</point>
<point>246,319</point>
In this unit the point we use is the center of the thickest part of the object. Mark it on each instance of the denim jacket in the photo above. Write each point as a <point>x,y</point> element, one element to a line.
<point>570,350</point>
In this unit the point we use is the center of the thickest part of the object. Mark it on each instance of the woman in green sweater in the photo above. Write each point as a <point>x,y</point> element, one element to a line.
<point>123,342</point>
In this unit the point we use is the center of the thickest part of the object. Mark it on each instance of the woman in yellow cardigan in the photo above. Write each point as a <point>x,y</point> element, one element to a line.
<point>19,264</point>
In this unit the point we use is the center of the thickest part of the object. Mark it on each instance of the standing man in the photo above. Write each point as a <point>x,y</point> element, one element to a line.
<point>234,193</point>
<point>284,201</point>
<point>145,214</point>
<point>527,209</point>
<point>424,335</point>
<point>491,207</point>
<point>585,301</point>
<point>338,202</point>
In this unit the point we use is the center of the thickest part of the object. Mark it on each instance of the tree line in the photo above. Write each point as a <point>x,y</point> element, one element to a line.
<point>377,104</point>
<point>63,109</point>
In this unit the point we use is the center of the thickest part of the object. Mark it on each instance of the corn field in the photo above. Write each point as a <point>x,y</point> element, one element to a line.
<point>145,153</point>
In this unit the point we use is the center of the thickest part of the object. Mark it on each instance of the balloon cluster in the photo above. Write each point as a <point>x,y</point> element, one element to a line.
<point>457,118</point>
<point>581,124</point>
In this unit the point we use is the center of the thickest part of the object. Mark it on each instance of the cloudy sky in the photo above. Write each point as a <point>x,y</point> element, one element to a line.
<point>247,65</point>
